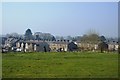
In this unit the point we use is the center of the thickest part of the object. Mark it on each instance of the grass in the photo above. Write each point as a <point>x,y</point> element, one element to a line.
<point>60,65</point>
<point>0,65</point>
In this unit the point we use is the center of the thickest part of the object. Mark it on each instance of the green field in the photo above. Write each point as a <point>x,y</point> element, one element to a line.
<point>60,65</point>
<point>0,65</point>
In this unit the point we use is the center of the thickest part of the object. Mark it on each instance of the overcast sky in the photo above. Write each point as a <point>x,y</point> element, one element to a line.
<point>61,18</point>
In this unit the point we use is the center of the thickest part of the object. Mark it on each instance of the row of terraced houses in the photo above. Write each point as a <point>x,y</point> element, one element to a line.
<point>12,44</point>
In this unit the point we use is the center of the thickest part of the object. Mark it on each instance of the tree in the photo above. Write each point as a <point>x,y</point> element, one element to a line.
<point>91,38</point>
<point>28,35</point>
<point>53,38</point>
<point>69,37</point>
<point>102,38</point>
<point>102,45</point>
<point>44,36</point>
<point>77,38</point>
<point>13,35</point>
<point>62,38</point>
<point>37,37</point>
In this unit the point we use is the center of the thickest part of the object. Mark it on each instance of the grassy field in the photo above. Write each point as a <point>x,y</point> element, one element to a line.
<point>60,65</point>
<point>0,65</point>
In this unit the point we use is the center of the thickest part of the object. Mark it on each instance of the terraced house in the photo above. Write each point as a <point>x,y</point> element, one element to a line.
<point>12,44</point>
<point>41,46</point>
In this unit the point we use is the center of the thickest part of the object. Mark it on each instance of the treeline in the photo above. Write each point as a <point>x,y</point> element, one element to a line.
<point>86,38</point>
<point>28,35</point>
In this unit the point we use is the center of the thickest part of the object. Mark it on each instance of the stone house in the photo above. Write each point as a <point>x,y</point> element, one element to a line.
<point>87,46</point>
<point>53,46</point>
<point>58,46</point>
<point>113,46</point>
<point>33,46</point>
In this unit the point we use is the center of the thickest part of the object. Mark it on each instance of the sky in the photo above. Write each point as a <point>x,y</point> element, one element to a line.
<point>0,18</point>
<point>61,18</point>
